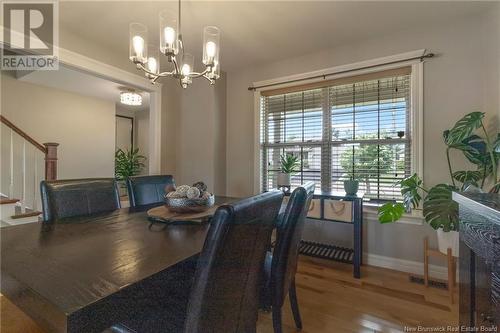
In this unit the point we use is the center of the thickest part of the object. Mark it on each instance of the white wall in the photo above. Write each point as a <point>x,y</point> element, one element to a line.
<point>83,126</point>
<point>462,78</point>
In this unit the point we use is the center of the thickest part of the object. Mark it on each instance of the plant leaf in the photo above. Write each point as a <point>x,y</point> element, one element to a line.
<point>439,208</point>
<point>464,128</point>
<point>410,191</point>
<point>128,163</point>
<point>495,188</point>
<point>289,163</point>
<point>468,176</point>
<point>390,212</point>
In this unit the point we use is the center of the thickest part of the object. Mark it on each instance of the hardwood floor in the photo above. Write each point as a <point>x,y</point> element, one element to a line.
<point>331,300</point>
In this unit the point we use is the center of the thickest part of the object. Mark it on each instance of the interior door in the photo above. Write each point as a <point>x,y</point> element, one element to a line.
<point>124,133</point>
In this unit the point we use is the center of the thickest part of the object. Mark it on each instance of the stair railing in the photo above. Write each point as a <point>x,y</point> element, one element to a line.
<point>49,151</point>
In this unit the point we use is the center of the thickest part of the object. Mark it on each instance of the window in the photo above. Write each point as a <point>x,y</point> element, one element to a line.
<point>358,127</point>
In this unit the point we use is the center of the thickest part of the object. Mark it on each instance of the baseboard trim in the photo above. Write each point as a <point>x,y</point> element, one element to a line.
<point>408,266</point>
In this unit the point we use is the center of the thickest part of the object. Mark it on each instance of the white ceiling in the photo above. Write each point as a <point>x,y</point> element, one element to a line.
<point>82,83</point>
<point>258,32</point>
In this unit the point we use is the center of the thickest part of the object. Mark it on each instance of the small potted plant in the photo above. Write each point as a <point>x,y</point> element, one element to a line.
<point>289,165</point>
<point>128,163</point>
<point>351,185</point>
<point>439,209</point>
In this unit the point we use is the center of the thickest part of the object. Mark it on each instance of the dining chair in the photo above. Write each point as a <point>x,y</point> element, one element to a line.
<point>145,190</point>
<point>281,264</point>
<point>224,292</point>
<point>78,197</point>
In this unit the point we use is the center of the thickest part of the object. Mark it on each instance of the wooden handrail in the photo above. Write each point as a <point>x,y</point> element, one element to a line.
<point>23,134</point>
<point>49,149</point>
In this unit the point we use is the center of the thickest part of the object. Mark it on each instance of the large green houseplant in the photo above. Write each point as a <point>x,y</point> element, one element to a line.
<point>469,136</point>
<point>128,163</point>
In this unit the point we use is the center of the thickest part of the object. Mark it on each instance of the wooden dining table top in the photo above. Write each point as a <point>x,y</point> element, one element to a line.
<point>54,271</point>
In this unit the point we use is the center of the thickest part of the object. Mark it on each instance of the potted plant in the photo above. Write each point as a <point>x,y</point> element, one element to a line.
<point>439,210</point>
<point>289,165</point>
<point>351,185</point>
<point>128,163</point>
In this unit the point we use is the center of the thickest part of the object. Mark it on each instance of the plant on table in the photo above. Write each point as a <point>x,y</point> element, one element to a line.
<point>469,136</point>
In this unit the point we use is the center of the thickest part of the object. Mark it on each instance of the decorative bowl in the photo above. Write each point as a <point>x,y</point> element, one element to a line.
<point>185,205</point>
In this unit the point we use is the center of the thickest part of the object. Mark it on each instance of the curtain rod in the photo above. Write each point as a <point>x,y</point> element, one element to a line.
<point>422,57</point>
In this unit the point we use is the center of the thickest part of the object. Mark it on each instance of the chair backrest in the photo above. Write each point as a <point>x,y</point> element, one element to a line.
<point>78,197</point>
<point>224,297</point>
<point>145,190</point>
<point>289,234</point>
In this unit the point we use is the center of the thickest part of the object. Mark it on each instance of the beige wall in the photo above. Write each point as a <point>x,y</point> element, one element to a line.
<point>462,78</point>
<point>195,123</point>
<point>83,126</point>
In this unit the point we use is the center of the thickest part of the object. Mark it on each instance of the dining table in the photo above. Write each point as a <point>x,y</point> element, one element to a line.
<point>85,274</point>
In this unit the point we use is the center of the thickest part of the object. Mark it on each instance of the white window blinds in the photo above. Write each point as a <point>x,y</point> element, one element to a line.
<point>349,128</point>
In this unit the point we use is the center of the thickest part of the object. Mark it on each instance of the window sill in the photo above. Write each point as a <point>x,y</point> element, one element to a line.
<point>415,217</point>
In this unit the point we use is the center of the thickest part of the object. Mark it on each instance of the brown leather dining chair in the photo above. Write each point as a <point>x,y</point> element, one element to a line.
<point>281,264</point>
<point>224,292</point>
<point>145,190</point>
<point>78,197</point>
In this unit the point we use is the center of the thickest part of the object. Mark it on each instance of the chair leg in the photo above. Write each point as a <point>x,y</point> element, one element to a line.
<point>292,293</point>
<point>277,319</point>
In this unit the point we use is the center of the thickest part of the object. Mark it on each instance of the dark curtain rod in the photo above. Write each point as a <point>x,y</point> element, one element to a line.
<point>422,57</point>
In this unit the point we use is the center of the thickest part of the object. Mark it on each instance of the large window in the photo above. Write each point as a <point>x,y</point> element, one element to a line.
<point>356,127</point>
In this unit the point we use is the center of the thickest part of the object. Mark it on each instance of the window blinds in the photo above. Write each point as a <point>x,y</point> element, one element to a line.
<point>355,127</point>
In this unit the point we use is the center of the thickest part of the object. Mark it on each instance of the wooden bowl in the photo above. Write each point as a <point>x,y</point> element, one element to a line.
<point>185,205</point>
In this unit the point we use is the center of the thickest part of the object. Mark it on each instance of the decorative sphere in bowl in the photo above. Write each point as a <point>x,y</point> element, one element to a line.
<point>186,205</point>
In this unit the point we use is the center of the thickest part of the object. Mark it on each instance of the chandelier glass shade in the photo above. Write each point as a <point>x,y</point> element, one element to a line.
<point>147,56</point>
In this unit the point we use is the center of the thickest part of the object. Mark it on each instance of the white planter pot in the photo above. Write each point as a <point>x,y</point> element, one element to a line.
<point>448,240</point>
<point>284,179</point>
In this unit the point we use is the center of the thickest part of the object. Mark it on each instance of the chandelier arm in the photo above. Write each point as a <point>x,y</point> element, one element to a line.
<point>209,79</point>
<point>165,74</point>
<point>176,66</point>
<point>155,75</point>
<point>153,80</point>
<point>195,75</point>
<point>141,67</point>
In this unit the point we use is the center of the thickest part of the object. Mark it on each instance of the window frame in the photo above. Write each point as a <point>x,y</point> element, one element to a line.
<point>376,65</point>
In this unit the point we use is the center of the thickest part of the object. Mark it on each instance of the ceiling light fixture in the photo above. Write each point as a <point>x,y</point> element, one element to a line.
<point>130,97</point>
<point>146,57</point>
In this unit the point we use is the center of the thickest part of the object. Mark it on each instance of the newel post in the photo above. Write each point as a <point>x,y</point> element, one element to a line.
<point>50,160</point>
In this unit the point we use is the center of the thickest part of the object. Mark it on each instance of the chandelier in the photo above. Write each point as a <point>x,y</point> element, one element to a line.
<point>146,57</point>
<point>130,97</point>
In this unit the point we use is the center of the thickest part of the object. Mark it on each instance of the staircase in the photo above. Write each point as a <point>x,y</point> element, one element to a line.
<point>24,164</point>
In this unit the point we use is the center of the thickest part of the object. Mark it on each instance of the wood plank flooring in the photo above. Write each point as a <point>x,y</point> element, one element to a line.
<point>331,300</point>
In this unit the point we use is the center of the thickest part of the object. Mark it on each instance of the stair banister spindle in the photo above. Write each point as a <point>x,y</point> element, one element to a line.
<point>35,178</point>
<point>23,196</point>
<point>11,165</point>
